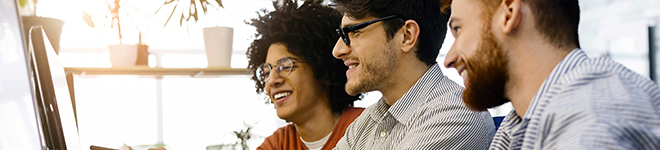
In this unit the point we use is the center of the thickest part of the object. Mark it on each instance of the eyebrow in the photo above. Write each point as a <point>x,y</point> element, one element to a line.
<point>451,22</point>
<point>348,24</point>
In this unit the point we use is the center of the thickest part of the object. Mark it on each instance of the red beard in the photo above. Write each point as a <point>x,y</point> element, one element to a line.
<point>487,75</point>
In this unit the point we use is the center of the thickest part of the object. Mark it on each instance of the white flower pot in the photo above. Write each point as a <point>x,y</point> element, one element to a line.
<point>218,44</point>
<point>123,55</point>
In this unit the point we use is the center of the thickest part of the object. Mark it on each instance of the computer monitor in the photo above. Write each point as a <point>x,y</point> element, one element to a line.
<point>19,125</point>
<point>53,95</point>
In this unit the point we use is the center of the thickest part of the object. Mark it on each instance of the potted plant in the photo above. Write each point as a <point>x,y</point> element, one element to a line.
<point>242,136</point>
<point>121,55</point>
<point>218,41</point>
<point>52,26</point>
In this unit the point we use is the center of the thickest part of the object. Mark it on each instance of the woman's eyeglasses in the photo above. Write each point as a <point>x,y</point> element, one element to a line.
<point>283,69</point>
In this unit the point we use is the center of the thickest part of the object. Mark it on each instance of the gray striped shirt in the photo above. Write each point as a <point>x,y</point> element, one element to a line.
<point>431,115</point>
<point>587,104</point>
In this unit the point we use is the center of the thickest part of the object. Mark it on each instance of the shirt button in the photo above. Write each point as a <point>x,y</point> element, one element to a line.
<point>383,134</point>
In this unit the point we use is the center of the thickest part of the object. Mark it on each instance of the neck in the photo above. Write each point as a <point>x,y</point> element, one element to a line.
<point>402,79</point>
<point>319,124</point>
<point>530,64</point>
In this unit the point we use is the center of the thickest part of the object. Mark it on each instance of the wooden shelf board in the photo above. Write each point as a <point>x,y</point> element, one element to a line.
<point>158,71</point>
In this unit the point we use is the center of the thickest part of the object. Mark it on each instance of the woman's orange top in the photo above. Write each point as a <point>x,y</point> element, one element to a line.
<point>286,138</point>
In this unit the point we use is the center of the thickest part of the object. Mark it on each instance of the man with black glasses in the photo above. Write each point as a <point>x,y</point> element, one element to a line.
<point>391,46</point>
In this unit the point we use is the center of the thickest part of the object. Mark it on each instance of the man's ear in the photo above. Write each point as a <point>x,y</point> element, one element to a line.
<point>410,35</point>
<point>511,14</point>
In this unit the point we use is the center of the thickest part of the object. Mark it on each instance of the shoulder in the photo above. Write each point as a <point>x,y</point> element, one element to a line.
<point>283,133</point>
<point>360,120</point>
<point>350,114</point>
<point>445,100</point>
<point>444,114</point>
<point>275,140</point>
<point>598,103</point>
<point>601,82</point>
<point>347,117</point>
<point>358,116</point>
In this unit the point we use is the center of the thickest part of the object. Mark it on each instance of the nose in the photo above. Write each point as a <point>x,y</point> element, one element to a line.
<point>341,50</point>
<point>451,58</point>
<point>274,79</point>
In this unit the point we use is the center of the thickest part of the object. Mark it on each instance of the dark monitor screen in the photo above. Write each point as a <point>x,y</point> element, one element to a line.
<point>19,126</point>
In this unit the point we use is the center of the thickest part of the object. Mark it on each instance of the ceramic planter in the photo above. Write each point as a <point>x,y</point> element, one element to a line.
<point>218,44</point>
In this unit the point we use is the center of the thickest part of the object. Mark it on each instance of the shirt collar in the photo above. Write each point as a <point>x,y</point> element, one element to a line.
<point>380,109</point>
<point>403,109</point>
<point>569,62</point>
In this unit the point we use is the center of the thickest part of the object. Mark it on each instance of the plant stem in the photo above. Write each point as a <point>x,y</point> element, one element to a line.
<point>116,16</point>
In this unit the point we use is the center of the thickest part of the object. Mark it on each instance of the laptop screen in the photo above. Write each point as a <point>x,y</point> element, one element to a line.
<point>55,100</point>
<point>61,90</point>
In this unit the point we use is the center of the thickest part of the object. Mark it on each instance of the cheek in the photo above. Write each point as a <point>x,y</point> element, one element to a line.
<point>267,91</point>
<point>467,45</point>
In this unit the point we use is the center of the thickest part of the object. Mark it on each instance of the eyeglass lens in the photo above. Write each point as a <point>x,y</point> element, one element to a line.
<point>283,69</point>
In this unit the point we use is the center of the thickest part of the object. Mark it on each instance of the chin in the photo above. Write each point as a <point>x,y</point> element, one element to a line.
<point>282,114</point>
<point>350,88</point>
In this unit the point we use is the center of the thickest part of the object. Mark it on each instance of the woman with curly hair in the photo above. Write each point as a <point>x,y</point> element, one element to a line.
<point>293,64</point>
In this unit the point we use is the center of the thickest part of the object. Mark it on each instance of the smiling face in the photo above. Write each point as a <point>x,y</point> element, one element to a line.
<point>477,56</point>
<point>297,93</point>
<point>370,57</point>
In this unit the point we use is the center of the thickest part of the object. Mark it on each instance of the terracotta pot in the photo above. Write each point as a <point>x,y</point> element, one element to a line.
<point>142,55</point>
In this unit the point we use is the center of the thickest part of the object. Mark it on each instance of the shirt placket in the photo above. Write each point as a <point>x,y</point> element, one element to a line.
<point>382,137</point>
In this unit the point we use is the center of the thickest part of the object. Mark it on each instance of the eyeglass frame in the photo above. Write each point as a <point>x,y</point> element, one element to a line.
<point>278,68</point>
<point>344,31</point>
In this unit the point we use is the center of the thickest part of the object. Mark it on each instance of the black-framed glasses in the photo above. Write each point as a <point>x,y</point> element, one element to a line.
<point>344,31</point>
<point>283,69</point>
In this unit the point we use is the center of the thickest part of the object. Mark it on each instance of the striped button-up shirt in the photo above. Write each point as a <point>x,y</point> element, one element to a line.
<point>587,104</point>
<point>431,115</point>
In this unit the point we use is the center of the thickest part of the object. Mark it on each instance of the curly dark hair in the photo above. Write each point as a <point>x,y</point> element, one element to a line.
<point>308,32</point>
<point>431,15</point>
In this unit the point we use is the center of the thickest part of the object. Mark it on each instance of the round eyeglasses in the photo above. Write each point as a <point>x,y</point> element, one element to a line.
<point>283,69</point>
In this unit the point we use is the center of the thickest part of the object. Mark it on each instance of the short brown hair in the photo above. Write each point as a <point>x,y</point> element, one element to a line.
<point>557,20</point>
<point>429,14</point>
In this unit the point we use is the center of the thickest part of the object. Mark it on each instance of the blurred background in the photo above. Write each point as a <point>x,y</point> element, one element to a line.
<point>201,111</point>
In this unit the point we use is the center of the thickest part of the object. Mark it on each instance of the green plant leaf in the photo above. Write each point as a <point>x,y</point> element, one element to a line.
<point>88,19</point>
<point>22,3</point>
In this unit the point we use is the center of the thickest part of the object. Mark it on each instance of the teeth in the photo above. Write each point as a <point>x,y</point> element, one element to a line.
<point>282,95</point>
<point>463,73</point>
<point>352,66</point>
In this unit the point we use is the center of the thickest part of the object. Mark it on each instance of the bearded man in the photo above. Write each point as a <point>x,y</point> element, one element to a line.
<point>527,52</point>
<point>391,46</point>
